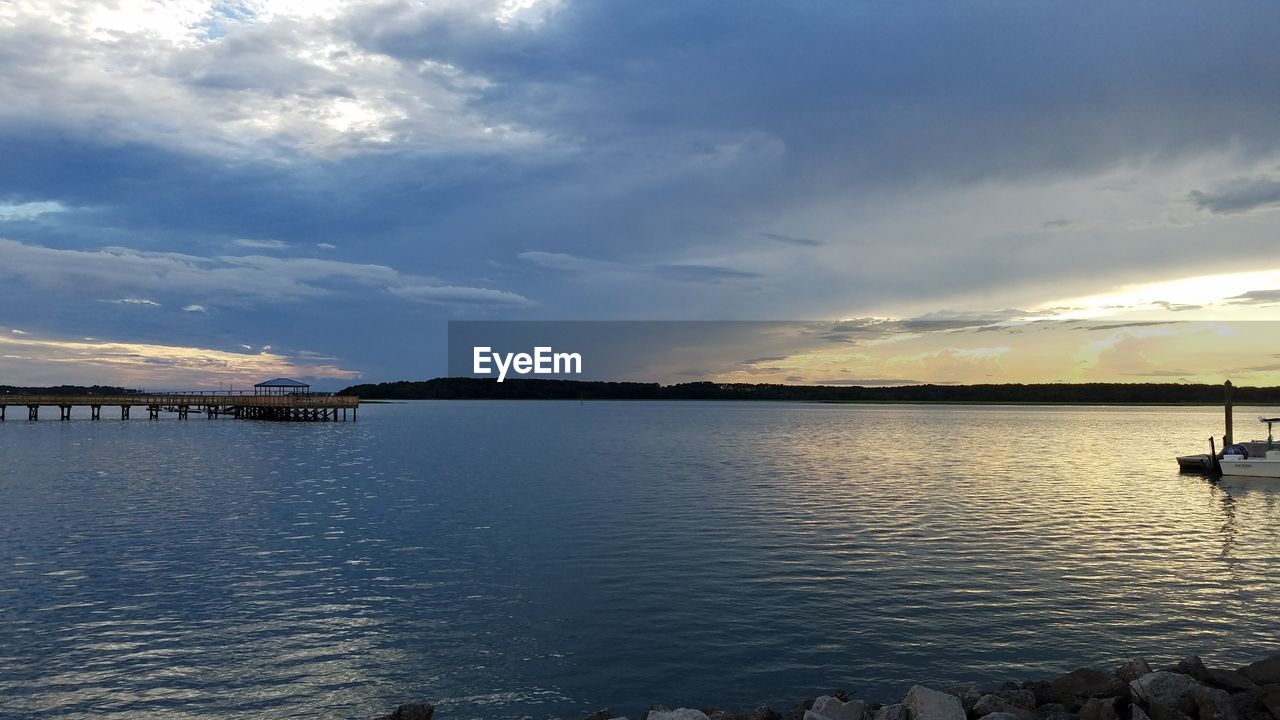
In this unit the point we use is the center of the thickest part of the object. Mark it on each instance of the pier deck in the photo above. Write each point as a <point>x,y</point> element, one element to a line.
<point>292,407</point>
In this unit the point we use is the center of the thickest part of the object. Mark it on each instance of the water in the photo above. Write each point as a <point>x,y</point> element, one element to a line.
<point>547,559</point>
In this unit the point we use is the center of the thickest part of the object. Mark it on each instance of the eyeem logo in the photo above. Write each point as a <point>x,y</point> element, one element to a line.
<point>543,361</point>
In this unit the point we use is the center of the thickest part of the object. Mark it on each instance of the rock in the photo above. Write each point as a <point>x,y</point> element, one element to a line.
<point>1171,689</point>
<point>411,711</point>
<point>1193,667</point>
<point>1269,698</point>
<point>1229,680</point>
<point>1099,709</point>
<point>600,715</point>
<point>797,712</point>
<point>1057,711</point>
<point>1071,689</point>
<point>1133,669</point>
<point>994,704</point>
<point>968,695</point>
<point>717,714</point>
<point>1137,713</point>
<point>1043,690</point>
<point>1263,672</point>
<point>677,714</point>
<point>896,711</point>
<point>761,713</point>
<point>1213,704</point>
<point>1019,697</point>
<point>1159,711</point>
<point>831,708</point>
<point>1002,716</point>
<point>926,704</point>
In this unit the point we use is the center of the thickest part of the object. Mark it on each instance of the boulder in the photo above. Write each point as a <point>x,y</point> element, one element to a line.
<point>1269,698</point>
<point>677,714</point>
<point>600,715</point>
<point>1099,709</point>
<point>994,704</point>
<point>896,711</point>
<point>968,694</point>
<point>718,714</point>
<point>1077,685</point>
<point>1043,690</point>
<point>1170,689</point>
<point>1019,697</point>
<point>1229,680</point>
<point>1193,667</point>
<point>1158,711</point>
<point>831,708</point>
<point>411,711</point>
<point>1214,704</point>
<point>1137,713</point>
<point>1057,711</point>
<point>1134,668</point>
<point>1263,672</point>
<point>926,704</point>
<point>763,712</point>
<point>1002,716</point>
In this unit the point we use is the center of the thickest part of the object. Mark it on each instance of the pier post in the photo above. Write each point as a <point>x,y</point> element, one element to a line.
<point>1226,404</point>
<point>182,412</point>
<point>2,409</point>
<point>33,412</point>
<point>95,412</point>
<point>64,412</point>
<point>124,412</point>
<point>153,412</point>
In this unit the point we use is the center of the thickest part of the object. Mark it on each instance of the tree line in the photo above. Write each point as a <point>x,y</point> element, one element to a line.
<point>462,388</point>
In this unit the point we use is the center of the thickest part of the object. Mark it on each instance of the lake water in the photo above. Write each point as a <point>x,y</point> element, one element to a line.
<point>544,559</point>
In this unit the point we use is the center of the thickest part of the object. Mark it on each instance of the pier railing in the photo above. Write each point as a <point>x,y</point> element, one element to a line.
<point>294,406</point>
<point>192,399</point>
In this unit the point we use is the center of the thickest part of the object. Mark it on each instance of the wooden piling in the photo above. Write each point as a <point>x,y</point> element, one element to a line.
<point>1227,438</point>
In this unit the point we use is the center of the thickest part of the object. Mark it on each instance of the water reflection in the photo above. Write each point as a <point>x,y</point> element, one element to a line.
<point>540,559</point>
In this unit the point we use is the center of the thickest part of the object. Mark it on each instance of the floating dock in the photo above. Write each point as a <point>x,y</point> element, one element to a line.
<point>296,407</point>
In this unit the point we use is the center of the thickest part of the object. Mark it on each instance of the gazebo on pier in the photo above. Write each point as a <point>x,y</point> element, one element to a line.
<point>282,386</point>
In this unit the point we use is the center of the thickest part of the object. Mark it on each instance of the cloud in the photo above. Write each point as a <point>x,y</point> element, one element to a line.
<point>681,272</point>
<point>194,309</point>
<point>40,360</point>
<point>447,294</point>
<point>261,244</point>
<point>701,273</point>
<point>28,210</point>
<point>253,277</point>
<point>1256,297</point>
<point>790,240</point>
<point>762,360</point>
<point>136,301</point>
<point>1240,195</point>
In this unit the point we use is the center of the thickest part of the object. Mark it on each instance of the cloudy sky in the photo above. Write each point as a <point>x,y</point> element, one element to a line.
<point>194,192</point>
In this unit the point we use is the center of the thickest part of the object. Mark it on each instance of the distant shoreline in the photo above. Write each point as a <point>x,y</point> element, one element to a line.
<point>1117,394</point>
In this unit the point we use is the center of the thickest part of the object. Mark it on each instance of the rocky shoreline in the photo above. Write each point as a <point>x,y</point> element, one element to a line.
<point>1189,690</point>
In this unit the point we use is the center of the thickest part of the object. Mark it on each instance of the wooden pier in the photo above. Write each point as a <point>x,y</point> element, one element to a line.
<point>298,407</point>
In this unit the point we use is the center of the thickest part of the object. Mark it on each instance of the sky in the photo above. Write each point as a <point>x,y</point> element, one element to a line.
<point>196,194</point>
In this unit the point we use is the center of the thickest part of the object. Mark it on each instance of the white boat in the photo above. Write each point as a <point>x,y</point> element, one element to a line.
<point>1268,467</point>
<point>1254,459</point>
